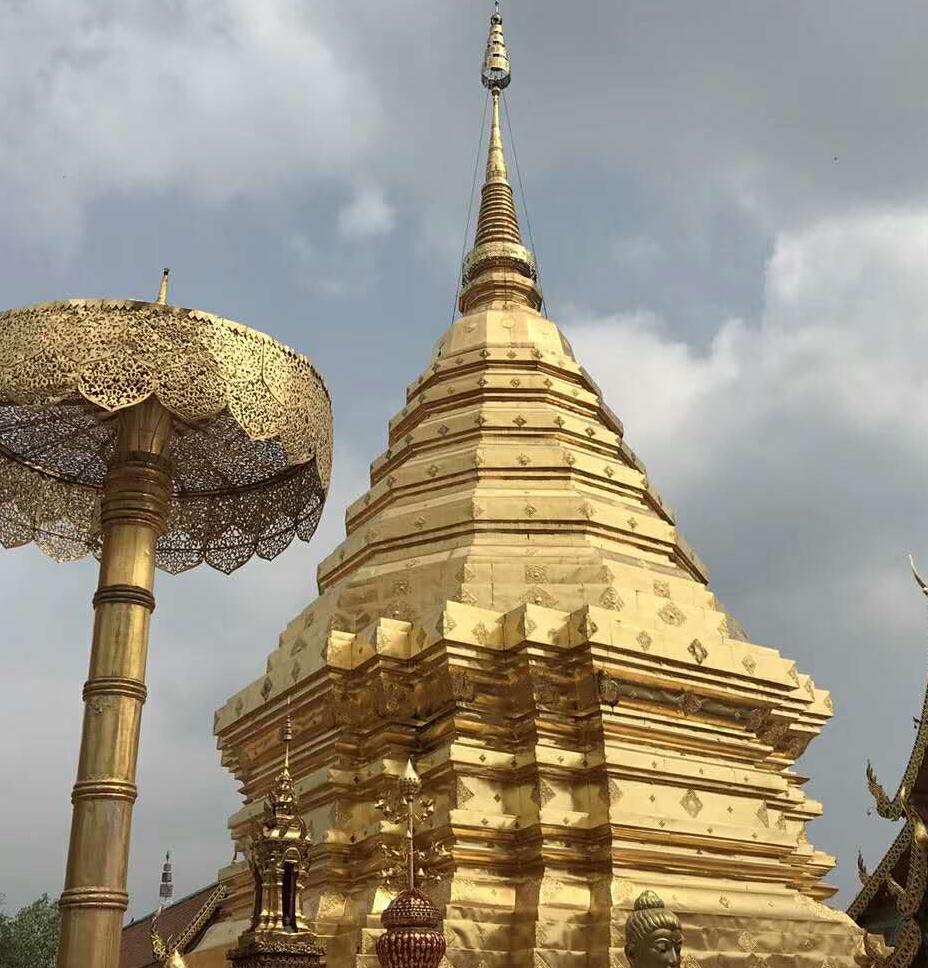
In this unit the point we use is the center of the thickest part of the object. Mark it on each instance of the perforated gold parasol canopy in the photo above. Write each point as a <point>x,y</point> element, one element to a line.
<point>251,442</point>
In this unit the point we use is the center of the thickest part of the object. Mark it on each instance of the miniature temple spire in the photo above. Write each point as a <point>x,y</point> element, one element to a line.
<point>163,288</point>
<point>279,857</point>
<point>166,890</point>
<point>499,269</point>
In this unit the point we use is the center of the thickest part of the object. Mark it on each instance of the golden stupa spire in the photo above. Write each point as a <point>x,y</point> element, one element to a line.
<point>499,269</point>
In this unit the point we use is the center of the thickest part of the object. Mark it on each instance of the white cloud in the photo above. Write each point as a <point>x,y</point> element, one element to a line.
<point>843,337</point>
<point>366,216</point>
<point>215,99</point>
<point>639,251</point>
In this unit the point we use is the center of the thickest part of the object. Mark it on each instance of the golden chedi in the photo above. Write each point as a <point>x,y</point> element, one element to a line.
<point>514,607</point>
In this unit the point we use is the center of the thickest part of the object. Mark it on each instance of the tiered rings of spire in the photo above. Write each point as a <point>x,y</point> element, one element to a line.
<point>499,270</point>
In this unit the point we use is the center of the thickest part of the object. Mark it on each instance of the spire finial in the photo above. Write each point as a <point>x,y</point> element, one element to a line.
<point>166,890</point>
<point>287,736</point>
<point>499,270</point>
<point>163,288</point>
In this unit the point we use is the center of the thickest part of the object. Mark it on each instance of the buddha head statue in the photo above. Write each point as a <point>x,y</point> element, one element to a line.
<point>653,936</point>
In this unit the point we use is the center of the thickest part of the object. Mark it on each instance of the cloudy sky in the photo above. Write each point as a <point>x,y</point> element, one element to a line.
<point>730,210</point>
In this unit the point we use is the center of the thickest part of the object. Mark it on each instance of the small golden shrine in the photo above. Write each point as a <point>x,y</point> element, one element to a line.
<point>514,610</point>
<point>279,935</point>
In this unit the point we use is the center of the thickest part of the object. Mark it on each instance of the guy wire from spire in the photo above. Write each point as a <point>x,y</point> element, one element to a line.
<point>470,209</point>
<point>528,218</point>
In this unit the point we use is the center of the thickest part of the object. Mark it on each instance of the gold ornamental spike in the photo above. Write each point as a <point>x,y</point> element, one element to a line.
<point>163,288</point>
<point>410,784</point>
<point>496,71</point>
<point>287,737</point>
<point>499,270</point>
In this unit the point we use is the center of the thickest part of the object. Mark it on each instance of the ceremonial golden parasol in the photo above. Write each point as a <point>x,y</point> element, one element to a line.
<point>150,436</point>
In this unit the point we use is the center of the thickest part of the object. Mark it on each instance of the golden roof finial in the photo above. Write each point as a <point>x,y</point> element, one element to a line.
<point>499,269</point>
<point>287,737</point>
<point>163,288</point>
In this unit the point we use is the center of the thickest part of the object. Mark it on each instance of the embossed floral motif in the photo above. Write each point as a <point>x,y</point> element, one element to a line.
<point>749,663</point>
<point>610,599</point>
<point>462,793</point>
<point>661,588</point>
<point>538,596</point>
<point>607,688</point>
<point>691,703</point>
<point>266,688</point>
<point>462,686</point>
<point>698,651</point>
<point>545,793</point>
<point>536,574</point>
<point>644,640</point>
<point>691,803</point>
<point>671,615</point>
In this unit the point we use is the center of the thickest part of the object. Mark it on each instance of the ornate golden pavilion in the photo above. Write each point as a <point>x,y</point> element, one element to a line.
<point>514,610</point>
<point>891,901</point>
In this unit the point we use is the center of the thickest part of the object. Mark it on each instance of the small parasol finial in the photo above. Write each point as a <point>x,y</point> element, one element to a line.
<point>163,288</point>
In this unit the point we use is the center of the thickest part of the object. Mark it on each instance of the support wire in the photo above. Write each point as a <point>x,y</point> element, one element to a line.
<point>528,218</point>
<point>470,208</point>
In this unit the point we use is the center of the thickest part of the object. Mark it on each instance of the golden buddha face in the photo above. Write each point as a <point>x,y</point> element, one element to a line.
<point>659,948</point>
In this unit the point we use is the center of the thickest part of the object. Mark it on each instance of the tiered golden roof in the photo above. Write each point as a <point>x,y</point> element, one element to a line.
<point>892,898</point>
<point>514,607</point>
